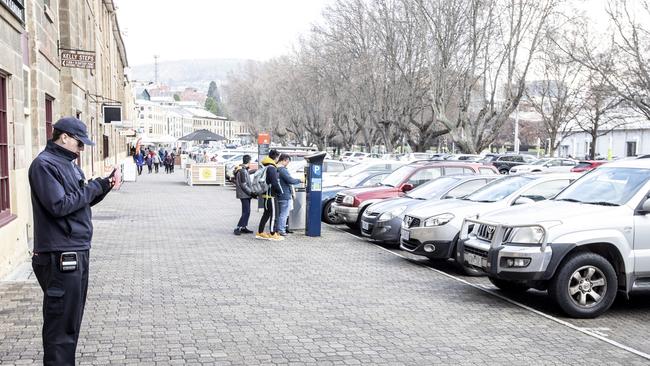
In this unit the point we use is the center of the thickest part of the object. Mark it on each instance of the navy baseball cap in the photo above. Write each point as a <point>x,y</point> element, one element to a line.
<point>74,127</point>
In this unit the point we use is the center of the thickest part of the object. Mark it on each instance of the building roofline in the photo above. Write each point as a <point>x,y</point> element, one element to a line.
<point>117,33</point>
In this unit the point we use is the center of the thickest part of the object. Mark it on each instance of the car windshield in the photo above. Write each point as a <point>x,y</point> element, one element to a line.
<point>398,176</point>
<point>606,186</point>
<point>499,189</point>
<point>433,188</point>
<point>355,180</point>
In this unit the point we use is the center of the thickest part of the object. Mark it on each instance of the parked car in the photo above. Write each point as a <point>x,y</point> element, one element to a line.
<point>554,165</point>
<point>415,156</point>
<point>382,166</point>
<point>463,157</point>
<point>432,229</point>
<point>369,178</point>
<point>350,204</point>
<point>332,168</point>
<point>504,163</point>
<point>587,165</point>
<point>583,246</point>
<point>382,221</point>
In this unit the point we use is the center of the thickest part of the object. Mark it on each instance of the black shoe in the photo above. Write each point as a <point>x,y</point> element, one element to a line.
<point>290,231</point>
<point>237,231</point>
<point>245,231</point>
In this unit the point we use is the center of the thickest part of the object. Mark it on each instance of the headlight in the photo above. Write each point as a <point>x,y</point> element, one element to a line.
<point>348,200</point>
<point>526,235</point>
<point>389,215</point>
<point>438,220</point>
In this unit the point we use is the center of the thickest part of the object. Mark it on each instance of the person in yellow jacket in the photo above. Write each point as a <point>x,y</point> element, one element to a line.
<point>270,198</point>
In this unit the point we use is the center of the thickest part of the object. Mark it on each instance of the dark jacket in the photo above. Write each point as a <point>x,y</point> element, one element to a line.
<point>243,182</point>
<point>286,181</point>
<point>61,201</point>
<point>272,178</point>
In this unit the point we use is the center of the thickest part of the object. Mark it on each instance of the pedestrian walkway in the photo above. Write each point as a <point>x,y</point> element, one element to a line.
<point>170,284</point>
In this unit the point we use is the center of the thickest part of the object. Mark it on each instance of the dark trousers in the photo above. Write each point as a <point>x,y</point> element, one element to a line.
<point>63,305</point>
<point>245,212</point>
<point>149,167</point>
<point>156,165</point>
<point>139,169</point>
<point>269,215</point>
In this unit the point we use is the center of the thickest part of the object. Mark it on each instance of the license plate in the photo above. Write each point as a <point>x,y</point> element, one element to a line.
<point>365,225</point>
<point>406,235</point>
<point>475,260</point>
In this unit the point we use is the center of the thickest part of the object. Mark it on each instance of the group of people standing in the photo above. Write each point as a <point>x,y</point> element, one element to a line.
<point>153,160</point>
<point>278,198</point>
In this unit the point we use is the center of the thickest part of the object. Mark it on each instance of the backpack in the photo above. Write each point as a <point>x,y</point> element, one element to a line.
<point>259,185</point>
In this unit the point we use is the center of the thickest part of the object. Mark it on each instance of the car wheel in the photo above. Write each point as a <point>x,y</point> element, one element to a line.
<point>585,286</point>
<point>509,286</point>
<point>504,171</point>
<point>329,216</point>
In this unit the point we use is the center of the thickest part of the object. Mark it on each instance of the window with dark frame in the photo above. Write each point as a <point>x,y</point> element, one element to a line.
<point>49,101</point>
<point>5,200</point>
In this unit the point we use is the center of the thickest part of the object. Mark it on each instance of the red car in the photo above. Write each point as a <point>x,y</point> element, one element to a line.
<point>350,204</point>
<point>587,165</point>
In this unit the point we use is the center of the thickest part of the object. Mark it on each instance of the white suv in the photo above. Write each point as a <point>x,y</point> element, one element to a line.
<point>584,246</point>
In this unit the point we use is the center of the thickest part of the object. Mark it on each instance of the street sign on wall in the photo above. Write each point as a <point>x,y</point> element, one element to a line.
<point>78,59</point>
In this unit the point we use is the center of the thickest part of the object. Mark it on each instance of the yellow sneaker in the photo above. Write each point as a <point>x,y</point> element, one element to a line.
<point>263,236</point>
<point>276,237</point>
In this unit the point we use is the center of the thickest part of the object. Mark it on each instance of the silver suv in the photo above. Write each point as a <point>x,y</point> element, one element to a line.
<point>583,246</point>
<point>431,228</point>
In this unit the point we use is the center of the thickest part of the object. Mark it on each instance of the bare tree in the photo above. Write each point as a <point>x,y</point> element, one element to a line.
<point>602,112</point>
<point>557,98</point>
<point>480,55</point>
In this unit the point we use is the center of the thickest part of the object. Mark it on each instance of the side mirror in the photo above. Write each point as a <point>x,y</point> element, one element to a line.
<point>407,187</point>
<point>523,201</point>
<point>646,206</point>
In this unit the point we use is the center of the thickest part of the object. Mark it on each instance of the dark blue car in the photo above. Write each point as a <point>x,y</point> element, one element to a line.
<point>363,179</point>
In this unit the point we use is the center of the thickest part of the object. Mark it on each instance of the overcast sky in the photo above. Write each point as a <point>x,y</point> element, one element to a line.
<point>193,29</point>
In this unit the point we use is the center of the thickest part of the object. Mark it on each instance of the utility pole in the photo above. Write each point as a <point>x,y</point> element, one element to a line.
<point>155,58</point>
<point>517,130</point>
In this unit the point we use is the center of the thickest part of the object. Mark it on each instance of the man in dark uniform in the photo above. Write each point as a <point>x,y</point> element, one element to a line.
<point>61,200</point>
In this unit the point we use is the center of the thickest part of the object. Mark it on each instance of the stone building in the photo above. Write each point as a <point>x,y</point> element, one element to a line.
<point>40,84</point>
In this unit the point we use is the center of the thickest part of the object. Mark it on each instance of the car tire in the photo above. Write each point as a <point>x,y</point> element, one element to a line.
<point>509,286</point>
<point>504,171</point>
<point>330,218</point>
<point>578,279</point>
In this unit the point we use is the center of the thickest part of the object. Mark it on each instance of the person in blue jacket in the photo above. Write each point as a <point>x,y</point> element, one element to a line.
<point>63,230</point>
<point>284,199</point>
<point>139,161</point>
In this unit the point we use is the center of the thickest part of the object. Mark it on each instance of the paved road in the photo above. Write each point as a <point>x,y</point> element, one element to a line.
<point>170,284</point>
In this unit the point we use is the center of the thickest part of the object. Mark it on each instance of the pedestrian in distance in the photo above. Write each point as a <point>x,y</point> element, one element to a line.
<point>156,162</point>
<point>244,194</point>
<point>274,189</point>
<point>61,203</point>
<point>139,162</point>
<point>168,163</point>
<point>149,161</point>
<point>172,161</point>
<point>284,198</point>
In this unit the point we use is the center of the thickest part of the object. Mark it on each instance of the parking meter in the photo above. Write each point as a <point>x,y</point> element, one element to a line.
<point>314,188</point>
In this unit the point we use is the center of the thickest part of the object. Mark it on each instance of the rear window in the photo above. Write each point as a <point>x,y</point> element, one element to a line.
<point>456,170</point>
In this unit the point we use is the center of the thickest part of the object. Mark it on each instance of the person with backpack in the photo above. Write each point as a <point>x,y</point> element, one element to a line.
<point>244,191</point>
<point>284,199</point>
<point>156,162</point>
<point>269,173</point>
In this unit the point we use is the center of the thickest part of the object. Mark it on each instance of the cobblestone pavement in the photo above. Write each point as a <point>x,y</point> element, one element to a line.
<point>170,284</point>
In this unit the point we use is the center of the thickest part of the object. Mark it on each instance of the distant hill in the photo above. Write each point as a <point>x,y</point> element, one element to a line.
<point>194,73</point>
